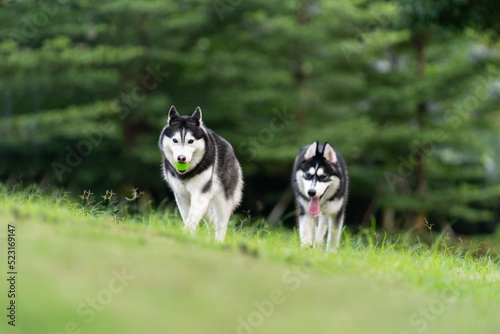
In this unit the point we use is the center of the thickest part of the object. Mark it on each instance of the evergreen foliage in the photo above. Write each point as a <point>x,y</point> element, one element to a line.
<point>406,90</point>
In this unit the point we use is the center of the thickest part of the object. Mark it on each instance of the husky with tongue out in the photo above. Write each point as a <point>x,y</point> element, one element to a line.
<point>320,183</point>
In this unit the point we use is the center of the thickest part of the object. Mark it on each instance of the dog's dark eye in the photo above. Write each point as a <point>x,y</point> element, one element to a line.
<point>322,177</point>
<point>190,141</point>
<point>307,175</point>
<point>175,140</point>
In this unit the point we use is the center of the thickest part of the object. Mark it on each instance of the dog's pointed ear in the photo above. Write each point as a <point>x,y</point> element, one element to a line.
<point>311,151</point>
<point>172,114</point>
<point>197,116</point>
<point>329,153</point>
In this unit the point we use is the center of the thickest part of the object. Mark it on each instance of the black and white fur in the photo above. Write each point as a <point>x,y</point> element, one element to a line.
<point>320,174</point>
<point>212,185</point>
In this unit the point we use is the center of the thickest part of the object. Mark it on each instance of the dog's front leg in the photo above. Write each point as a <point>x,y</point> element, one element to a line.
<point>199,205</point>
<point>222,209</point>
<point>306,229</point>
<point>334,232</point>
<point>183,205</point>
<point>321,232</point>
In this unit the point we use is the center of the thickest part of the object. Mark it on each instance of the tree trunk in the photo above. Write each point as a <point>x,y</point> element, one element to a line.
<point>280,207</point>
<point>389,219</point>
<point>418,219</point>
<point>370,212</point>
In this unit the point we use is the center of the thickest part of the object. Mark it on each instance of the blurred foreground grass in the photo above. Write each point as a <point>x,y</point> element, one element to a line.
<point>85,271</point>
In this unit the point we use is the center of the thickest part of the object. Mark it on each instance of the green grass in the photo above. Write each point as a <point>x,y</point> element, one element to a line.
<point>69,254</point>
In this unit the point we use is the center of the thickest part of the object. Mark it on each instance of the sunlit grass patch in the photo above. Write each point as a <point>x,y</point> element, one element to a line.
<point>429,265</point>
<point>71,249</point>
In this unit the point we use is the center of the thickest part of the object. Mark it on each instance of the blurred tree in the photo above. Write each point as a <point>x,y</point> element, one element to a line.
<point>438,87</point>
<point>85,83</point>
<point>401,88</point>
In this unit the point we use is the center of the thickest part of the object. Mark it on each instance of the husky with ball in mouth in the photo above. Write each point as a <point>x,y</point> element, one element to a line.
<point>202,170</point>
<point>320,183</point>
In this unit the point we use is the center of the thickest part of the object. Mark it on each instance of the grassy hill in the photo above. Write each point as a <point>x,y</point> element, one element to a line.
<point>85,271</point>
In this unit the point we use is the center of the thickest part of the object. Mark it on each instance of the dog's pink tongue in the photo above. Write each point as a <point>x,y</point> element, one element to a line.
<point>314,206</point>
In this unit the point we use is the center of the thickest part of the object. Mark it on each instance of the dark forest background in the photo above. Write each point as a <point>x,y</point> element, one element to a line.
<point>407,91</point>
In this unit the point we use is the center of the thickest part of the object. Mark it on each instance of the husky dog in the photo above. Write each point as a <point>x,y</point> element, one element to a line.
<point>202,170</point>
<point>320,183</point>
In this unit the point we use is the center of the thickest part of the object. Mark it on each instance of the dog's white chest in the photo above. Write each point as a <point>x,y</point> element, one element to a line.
<point>192,185</point>
<point>332,207</point>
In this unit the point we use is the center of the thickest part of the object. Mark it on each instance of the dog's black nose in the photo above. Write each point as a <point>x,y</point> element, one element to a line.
<point>181,158</point>
<point>311,192</point>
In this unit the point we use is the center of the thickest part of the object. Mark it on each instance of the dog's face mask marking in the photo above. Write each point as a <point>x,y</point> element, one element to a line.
<point>316,175</point>
<point>182,140</point>
<point>183,148</point>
